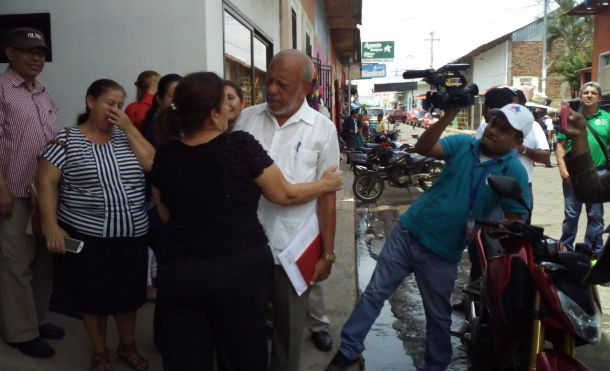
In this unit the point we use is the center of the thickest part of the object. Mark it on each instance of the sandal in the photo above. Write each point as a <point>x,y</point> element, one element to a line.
<point>100,362</point>
<point>129,354</point>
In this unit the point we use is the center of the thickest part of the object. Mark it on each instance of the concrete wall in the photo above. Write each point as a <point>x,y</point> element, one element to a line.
<point>118,39</point>
<point>322,34</point>
<point>601,39</point>
<point>489,68</point>
<point>265,14</point>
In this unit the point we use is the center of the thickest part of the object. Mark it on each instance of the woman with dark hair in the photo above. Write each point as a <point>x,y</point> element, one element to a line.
<point>162,99</point>
<point>215,267</point>
<point>91,188</point>
<point>235,101</point>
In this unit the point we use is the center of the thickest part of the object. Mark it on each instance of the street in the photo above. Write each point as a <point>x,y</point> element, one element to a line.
<point>396,341</point>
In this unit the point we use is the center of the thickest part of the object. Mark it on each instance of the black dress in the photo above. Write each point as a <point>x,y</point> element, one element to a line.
<point>214,264</point>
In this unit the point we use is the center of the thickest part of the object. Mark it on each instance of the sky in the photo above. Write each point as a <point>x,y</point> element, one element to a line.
<point>460,26</point>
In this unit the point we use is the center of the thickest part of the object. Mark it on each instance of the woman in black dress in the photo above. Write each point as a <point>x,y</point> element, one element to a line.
<point>214,264</point>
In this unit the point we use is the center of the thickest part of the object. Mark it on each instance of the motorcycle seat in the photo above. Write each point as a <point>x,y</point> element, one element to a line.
<point>576,263</point>
<point>397,155</point>
<point>357,158</point>
<point>415,158</point>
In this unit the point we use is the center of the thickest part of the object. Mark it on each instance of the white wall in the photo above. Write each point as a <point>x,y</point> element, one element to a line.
<point>118,39</point>
<point>490,68</point>
<point>265,14</point>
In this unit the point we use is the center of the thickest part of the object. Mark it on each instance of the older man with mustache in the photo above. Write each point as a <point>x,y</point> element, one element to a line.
<point>303,143</point>
<point>27,123</point>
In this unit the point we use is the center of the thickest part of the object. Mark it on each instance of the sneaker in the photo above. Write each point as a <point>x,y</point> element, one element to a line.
<point>340,362</point>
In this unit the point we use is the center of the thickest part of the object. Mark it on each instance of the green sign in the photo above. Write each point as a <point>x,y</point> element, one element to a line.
<point>377,51</point>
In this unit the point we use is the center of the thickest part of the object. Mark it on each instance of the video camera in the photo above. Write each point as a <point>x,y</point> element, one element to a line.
<point>449,89</point>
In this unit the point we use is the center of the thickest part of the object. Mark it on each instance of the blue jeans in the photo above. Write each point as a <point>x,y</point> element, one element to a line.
<point>595,220</point>
<point>402,255</point>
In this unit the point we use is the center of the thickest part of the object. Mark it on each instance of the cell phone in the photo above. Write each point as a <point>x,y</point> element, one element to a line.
<point>565,113</point>
<point>73,245</point>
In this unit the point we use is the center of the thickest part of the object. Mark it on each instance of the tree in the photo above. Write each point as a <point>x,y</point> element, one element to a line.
<point>576,33</point>
<point>569,67</point>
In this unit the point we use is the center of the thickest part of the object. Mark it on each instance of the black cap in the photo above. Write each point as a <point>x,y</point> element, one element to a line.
<point>24,38</point>
<point>498,97</point>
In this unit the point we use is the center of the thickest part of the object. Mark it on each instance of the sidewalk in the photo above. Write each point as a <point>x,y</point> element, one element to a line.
<point>74,351</point>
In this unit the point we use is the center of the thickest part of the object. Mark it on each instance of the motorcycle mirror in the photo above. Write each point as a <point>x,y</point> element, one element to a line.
<point>507,187</point>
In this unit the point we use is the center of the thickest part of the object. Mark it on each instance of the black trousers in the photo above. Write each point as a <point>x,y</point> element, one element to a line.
<point>210,304</point>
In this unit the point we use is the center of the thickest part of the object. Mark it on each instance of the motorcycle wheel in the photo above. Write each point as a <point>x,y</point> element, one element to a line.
<point>367,188</point>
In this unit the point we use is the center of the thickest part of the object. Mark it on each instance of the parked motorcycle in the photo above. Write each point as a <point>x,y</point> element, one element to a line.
<point>400,169</point>
<point>529,309</point>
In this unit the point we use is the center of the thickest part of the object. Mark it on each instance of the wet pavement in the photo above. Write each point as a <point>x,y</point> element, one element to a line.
<point>396,340</point>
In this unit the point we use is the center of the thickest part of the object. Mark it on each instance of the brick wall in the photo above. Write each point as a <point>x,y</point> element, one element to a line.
<point>526,60</point>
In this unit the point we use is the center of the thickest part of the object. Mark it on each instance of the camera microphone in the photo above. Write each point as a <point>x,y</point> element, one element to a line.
<point>414,74</point>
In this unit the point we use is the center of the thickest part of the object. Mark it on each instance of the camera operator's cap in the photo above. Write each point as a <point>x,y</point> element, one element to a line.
<point>24,38</point>
<point>518,116</point>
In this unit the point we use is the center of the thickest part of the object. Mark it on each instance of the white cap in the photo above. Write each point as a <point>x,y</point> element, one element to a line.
<point>518,116</point>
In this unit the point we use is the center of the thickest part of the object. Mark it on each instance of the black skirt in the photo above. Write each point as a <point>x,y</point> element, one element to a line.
<point>107,277</point>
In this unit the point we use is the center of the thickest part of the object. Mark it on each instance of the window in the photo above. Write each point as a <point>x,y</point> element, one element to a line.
<point>246,55</point>
<point>308,45</point>
<point>294,29</point>
<point>39,21</point>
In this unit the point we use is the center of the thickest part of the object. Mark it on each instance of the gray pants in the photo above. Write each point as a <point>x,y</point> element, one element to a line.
<point>26,276</point>
<point>289,311</point>
<point>317,320</point>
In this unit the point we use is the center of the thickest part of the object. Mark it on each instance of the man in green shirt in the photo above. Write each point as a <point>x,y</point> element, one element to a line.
<point>599,120</point>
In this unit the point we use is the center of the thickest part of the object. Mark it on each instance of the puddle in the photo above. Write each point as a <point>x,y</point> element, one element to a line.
<point>396,340</point>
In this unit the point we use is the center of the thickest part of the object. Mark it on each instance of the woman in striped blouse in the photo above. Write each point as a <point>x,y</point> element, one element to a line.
<point>91,184</point>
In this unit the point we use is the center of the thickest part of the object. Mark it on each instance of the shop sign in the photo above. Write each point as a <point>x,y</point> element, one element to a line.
<point>377,51</point>
<point>371,71</point>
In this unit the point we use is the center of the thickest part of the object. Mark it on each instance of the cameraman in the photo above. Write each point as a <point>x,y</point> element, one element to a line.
<point>586,183</point>
<point>419,244</point>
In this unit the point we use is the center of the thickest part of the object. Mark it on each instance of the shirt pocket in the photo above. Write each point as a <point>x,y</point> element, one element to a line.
<point>303,166</point>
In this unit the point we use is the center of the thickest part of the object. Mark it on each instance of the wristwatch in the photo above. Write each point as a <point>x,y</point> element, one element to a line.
<point>330,257</point>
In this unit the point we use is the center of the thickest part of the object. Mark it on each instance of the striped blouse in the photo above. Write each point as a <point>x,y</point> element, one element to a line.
<point>101,191</point>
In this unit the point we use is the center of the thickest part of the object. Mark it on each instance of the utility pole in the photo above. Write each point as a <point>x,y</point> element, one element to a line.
<point>544,25</point>
<point>432,40</point>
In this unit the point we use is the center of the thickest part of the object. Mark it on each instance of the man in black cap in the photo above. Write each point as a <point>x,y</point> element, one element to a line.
<point>28,120</point>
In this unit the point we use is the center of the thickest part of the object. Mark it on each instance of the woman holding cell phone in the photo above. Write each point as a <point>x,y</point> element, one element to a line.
<point>91,188</point>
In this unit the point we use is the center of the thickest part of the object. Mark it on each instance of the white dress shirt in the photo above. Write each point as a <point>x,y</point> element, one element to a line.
<point>303,147</point>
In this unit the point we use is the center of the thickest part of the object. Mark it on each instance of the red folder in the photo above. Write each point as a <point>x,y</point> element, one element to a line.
<point>309,257</point>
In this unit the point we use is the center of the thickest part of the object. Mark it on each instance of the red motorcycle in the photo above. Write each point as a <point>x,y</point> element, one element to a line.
<point>529,309</point>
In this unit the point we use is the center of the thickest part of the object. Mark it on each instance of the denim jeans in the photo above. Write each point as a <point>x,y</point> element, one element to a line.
<point>595,220</point>
<point>402,255</point>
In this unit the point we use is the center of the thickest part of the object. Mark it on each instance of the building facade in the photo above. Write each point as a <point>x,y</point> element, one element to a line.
<point>236,39</point>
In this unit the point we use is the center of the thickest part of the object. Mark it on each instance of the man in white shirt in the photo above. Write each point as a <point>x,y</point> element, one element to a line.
<point>535,147</point>
<point>303,143</point>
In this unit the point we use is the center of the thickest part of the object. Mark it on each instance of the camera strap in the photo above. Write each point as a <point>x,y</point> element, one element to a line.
<point>599,141</point>
<point>475,187</point>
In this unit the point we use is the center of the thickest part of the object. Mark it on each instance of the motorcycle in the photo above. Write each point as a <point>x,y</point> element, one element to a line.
<point>529,295</point>
<point>400,169</point>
